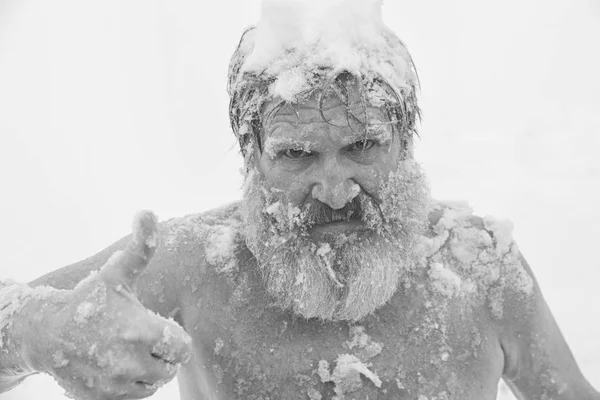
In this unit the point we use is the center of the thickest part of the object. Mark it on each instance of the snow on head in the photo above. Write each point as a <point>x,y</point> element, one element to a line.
<point>299,46</point>
<point>295,37</point>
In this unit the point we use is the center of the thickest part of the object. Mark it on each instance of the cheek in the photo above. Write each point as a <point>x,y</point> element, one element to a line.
<point>292,189</point>
<point>372,178</point>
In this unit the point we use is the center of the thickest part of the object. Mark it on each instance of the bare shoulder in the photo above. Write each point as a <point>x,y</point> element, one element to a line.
<point>195,251</point>
<point>482,255</point>
<point>478,258</point>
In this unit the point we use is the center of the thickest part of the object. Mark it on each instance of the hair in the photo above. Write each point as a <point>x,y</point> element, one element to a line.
<point>250,92</point>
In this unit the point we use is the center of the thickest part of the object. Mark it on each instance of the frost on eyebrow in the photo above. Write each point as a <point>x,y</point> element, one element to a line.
<point>275,145</point>
<point>380,131</point>
<point>377,130</point>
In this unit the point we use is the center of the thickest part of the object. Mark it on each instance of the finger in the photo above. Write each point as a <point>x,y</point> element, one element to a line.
<point>156,372</point>
<point>125,266</point>
<point>145,235</point>
<point>173,346</point>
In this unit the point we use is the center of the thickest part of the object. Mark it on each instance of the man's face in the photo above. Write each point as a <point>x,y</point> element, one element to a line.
<point>331,161</point>
<point>332,208</point>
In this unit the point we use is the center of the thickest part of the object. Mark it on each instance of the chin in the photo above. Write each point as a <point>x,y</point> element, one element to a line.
<point>333,281</point>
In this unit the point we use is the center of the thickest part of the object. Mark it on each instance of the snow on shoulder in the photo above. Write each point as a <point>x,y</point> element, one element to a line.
<point>468,256</point>
<point>295,37</point>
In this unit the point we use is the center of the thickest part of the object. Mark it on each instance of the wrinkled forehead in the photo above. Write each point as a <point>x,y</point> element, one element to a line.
<point>327,109</point>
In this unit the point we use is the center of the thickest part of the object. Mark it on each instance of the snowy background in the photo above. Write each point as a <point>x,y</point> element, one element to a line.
<point>113,106</point>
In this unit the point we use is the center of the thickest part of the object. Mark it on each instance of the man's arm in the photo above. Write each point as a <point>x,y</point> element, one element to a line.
<point>68,277</point>
<point>538,363</point>
<point>14,363</point>
<point>96,339</point>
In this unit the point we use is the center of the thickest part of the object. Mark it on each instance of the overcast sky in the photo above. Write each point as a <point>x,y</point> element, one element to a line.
<point>113,106</point>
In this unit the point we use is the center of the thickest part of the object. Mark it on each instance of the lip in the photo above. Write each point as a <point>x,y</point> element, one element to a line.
<point>336,228</point>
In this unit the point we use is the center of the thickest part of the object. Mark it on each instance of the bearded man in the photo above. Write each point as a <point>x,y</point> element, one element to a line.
<point>336,276</point>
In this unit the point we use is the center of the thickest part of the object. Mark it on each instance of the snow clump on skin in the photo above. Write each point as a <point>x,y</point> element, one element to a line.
<point>469,256</point>
<point>346,375</point>
<point>218,231</point>
<point>365,347</point>
<point>14,298</point>
<point>296,37</point>
<point>220,247</point>
<point>349,367</point>
<point>447,282</point>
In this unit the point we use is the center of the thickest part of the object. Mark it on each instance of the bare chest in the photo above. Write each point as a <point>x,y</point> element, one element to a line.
<point>425,350</point>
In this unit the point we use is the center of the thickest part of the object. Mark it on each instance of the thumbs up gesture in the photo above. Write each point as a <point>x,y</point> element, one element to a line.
<point>99,341</point>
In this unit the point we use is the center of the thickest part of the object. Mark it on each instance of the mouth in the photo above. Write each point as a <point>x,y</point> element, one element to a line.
<point>318,231</point>
<point>325,223</point>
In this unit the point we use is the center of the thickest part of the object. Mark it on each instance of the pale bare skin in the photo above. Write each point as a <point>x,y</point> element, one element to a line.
<point>422,344</point>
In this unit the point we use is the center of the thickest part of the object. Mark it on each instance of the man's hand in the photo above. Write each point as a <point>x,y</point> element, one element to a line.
<point>98,340</point>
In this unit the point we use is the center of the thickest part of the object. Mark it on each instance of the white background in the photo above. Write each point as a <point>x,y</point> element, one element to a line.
<point>113,106</point>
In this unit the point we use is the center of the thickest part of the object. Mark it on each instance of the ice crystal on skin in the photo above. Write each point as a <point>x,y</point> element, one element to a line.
<point>349,367</point>
<point>273,209</point>
<point>346,375</point>
<point>84,312</point>
<point>219,237</point>
<point>380,131</point>
<point>13,299</point>
<point>94,303</point>
<point>447,282</point>
<point>376,129</point>
<point>59,359</point>
<point>366,348</point>
<point>273,145</point>
<point>220,247</point>
<point>324,252</point>
<point>323,371</point>
<point>348,362</point>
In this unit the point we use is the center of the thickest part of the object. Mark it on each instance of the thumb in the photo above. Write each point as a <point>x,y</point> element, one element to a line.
<point>124,267</point>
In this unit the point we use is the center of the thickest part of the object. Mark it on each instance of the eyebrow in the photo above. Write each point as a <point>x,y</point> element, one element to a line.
<point>274,145</point>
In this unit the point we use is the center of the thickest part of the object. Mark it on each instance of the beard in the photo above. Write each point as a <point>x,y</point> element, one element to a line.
<point>341,276</point>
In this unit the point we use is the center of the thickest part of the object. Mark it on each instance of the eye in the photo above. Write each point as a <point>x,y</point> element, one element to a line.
<point>362,145</point>
<point>296,153</point>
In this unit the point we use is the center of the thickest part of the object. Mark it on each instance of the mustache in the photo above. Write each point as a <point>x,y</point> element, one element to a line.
<point>318,213</point>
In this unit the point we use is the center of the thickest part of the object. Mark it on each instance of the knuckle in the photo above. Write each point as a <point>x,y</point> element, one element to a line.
<point>173,345</point>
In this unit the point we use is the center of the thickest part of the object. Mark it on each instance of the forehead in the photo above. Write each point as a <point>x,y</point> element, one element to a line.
<point>328,113</point>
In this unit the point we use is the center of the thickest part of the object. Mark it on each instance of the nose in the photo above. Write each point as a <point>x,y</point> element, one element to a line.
<point>334,186</point>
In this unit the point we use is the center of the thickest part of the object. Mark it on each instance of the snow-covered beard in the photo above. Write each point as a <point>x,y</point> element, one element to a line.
<point>342,277</point>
